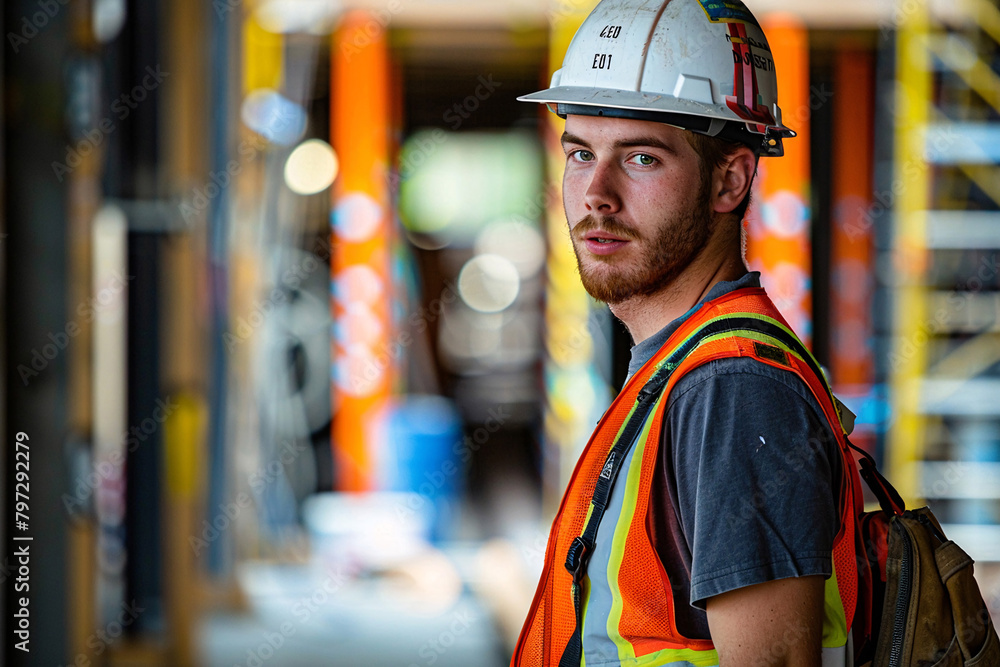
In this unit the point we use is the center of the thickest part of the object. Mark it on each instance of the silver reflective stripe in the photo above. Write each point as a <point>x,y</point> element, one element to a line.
<point>598,648</point>
<point>835,657</point>
<point>840,656</point>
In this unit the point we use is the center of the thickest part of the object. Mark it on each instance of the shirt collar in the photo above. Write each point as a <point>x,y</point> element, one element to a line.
<point>644,351</point>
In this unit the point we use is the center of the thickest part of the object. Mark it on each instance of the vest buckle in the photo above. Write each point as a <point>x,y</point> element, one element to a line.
<point>575,558</point>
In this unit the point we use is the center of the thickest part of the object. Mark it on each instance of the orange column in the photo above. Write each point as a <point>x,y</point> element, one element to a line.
<point>362,358</point>
<point>778,243</point>
<point>851,355</point>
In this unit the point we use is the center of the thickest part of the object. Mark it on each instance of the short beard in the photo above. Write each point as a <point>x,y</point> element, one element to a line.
<point>677,243</point>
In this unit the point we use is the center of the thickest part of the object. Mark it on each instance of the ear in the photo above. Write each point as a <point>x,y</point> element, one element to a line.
<point>732,180</point>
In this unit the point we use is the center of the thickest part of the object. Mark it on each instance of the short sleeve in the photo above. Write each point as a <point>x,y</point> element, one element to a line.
<point>755,464</point>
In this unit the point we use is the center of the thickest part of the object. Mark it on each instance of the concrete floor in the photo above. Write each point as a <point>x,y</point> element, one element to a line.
<point>299,617</point>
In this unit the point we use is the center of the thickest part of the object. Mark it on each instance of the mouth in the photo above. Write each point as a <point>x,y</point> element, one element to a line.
<point>604,237</point>
<point>602,243</point>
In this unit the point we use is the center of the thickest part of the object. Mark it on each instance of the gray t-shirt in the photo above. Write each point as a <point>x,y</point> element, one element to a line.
<point>746,490</point>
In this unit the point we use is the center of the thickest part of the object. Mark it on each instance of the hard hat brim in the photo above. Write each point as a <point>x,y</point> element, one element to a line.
<point>645,102</point>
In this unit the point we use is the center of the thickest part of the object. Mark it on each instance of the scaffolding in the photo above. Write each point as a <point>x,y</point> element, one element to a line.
<point>939,269</point>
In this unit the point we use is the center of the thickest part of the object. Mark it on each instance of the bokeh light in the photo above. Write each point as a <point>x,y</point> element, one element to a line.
<point>488,283</point>
<point>311,168</point>
<point>514,240</point>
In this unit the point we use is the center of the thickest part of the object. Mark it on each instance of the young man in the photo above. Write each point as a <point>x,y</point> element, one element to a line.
<point>709,520</point>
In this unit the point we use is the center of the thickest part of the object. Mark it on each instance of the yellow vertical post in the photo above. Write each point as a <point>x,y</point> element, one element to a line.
<point>183,439</point>
<point>184,345</point>
<point>263,57</point>
<point>569,380</point>
<point>363,363</point>
<point>84,201</point>
<point>910,171</point>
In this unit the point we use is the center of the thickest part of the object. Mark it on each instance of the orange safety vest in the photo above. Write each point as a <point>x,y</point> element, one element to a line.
<point>741,323</point>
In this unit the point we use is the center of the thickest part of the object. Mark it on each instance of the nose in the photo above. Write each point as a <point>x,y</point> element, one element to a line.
<point>602,192</point>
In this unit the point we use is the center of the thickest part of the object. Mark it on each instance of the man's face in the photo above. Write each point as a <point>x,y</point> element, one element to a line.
<point>638,208</point>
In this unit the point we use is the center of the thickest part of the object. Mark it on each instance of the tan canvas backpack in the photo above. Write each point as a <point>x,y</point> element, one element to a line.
<point>926,608</point>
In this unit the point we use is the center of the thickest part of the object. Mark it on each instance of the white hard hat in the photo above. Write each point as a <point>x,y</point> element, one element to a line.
<point>702,65</point>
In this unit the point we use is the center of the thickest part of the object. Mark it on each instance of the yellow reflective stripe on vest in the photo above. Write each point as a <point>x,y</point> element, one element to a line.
<point>622,526</point>
<point>834,618</point>
<point>679,657</point>
<point>771,320</point>
<point>586,586</point>
<point>602,644</point>
<point>626,652</point>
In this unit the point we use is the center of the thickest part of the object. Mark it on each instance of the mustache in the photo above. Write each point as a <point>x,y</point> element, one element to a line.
<point>604,223</point>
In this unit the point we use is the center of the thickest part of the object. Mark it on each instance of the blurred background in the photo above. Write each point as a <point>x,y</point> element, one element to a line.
<point>293,327</point>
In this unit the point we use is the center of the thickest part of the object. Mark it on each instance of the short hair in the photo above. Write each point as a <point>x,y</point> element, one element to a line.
<point>712,152</point>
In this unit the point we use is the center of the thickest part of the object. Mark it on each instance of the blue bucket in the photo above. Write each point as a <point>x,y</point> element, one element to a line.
<point>423,440</point>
